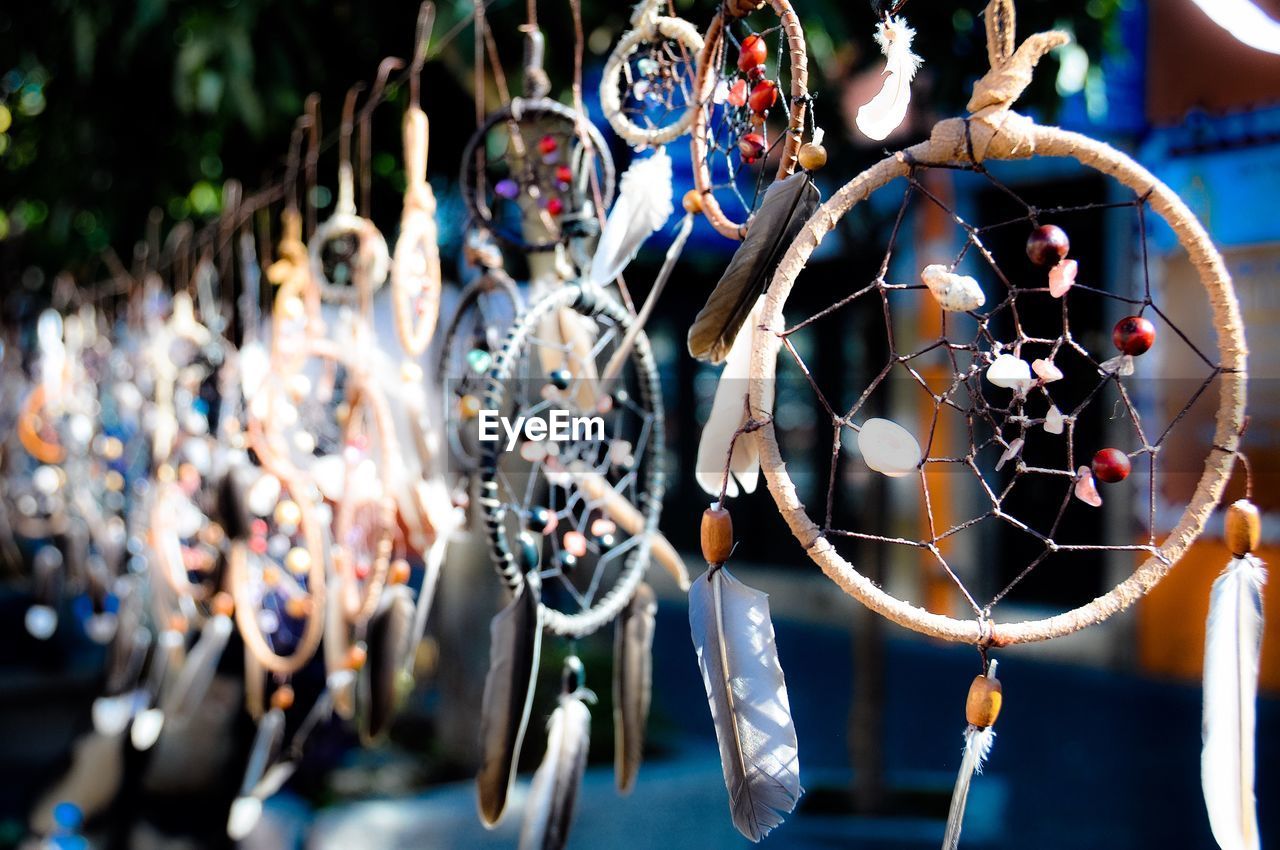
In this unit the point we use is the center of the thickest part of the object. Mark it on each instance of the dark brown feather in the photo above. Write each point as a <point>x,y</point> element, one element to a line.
<point>786,207</point>
<point>632,683</point>
<point>390,632</point>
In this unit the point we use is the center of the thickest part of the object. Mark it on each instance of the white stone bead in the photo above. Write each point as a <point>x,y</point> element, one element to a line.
<point>888,448</point>
<point>1010,372</point>
<point>955,293</point>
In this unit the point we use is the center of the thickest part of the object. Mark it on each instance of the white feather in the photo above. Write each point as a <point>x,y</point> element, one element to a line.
<point>1233,642</point>
<point>748,696</point>
<point>644,204</point>
<point>553,795</point>
<point>977,746</point>
<point>884,112</point>
<point>728,414</point>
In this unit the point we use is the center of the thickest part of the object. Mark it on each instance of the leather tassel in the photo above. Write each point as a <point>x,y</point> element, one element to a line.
<point>553,796</point>
<point>389,635</point>
<point>981,709</point>
<point>644,204</point>
<point>786,207</point>
<point>632,683</point>
<point>515,642</point>
<point>1233,644</point>
<point>747,693</point>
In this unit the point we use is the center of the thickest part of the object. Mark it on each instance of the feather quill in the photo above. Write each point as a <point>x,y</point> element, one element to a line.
<point>553,795</point>
<point>1233,642</point>
<point>786,207</point>
<point>728,415</point>
<point>643,207</point>
<point>632,683</point>
<point>515,637</point>
<point>738,658</point>
<point>884,113</point>
<point>977,746</point>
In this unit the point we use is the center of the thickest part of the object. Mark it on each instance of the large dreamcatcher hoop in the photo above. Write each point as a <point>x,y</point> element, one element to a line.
<point>582,471</point>
<point>734,96</point>
<point>994,132</point>
<point>642,68</point>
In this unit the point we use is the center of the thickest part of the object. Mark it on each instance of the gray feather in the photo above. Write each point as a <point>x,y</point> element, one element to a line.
<point>786,207</point>
<point>748,696</point>
<point>553,796</point>
<point>632,683</point>
<point>515,637</point>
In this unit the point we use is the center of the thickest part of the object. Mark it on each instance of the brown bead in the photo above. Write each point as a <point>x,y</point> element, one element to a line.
<point>1244,527</point>
<point>983,704</point>
<point>742,8</point>
<point>282,698</point>
<point>223,604</point>
<point>298,607</point>
<point>399,571</point>
<point>812,157</point>
<point>717,535</point>
<point>356,656</point>
<point>692,202</point>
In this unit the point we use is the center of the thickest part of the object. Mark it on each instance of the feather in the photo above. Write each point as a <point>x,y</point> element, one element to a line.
<point>623,351</point>
<point>885,112</point>
<point>389,636</point>
<point>728,415</point>
<point>643,207</point>
<point>426,595</point>
<point>201,665</point>
<point>1233,641</point>
<point>247,807</point>
<point>632,683</point>
<point>515,637</point>
<point>553,795</point>
<point>977,746</point>
<point>734,638</point>
<point>786,207</point>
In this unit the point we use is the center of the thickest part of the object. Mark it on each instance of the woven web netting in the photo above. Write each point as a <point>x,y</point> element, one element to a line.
<point>997,494</point>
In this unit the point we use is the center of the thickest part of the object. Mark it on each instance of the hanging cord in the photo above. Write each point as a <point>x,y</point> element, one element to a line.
<point>391,63</point>
<point>421,45</point>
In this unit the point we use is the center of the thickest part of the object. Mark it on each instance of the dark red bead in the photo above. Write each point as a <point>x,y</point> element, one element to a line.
<point>751,147</point>
<point>752,53</point>
<point>548,144</point>
<point>763,96</point>
<point>1111,466</point>
<point>757,73</point>
<point>564,174</point>
<point>1134,335</point>
<point>1048,245</point>
<point>555,206</point>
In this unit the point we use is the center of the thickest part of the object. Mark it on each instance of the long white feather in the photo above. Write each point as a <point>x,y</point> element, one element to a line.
<point>977,746</point>
<point>1233,642</point>
<point>644,204</point>
<point>247,807</point>
<point>728,414</point>
<point>553,795</point>
<point>884,113</point>
<point>748,696</point>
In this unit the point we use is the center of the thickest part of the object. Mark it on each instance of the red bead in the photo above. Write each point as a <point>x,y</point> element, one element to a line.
<point>1048,245</point>
<point>752,53</point>
<point>555,206</point>
<point>757,73</point>
<point>1111,466</point>
<point>548,144</point>
<point>1134,335</point>
<point>751,146</point>
<point>564,174</point>
<point>738,93</point>
<point>763,96</point>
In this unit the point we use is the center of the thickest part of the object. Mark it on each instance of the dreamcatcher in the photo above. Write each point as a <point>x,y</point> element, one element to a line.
<point>999,372</point>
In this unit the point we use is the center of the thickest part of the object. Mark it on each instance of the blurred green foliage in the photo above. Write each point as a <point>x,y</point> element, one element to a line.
<point>110,109</point>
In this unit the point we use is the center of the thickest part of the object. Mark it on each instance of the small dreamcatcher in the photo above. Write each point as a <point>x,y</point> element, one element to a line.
<point>749,117</point>
<point>997,371</point>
